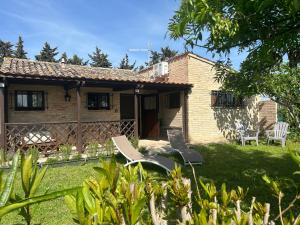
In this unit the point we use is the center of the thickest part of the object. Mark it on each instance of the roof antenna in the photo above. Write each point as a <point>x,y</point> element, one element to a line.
<point>148,50</point>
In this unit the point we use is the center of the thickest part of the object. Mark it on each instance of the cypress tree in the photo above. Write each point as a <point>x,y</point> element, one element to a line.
<point>19,51</point>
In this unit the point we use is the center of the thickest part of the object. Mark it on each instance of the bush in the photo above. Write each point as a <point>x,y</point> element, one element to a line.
<point>65,151</point>
<point>92,148</point>
<point>118,195</point>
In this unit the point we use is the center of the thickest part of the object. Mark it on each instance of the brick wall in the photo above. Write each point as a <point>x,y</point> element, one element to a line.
<point>267,114</point>
<point>58,110</point>
<point>207,124</point>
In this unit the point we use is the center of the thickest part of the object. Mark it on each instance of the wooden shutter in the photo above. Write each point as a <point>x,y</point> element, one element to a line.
<point>214,96</point>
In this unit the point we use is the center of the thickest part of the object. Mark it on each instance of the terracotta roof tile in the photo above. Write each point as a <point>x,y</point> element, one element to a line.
<point>22,68</point>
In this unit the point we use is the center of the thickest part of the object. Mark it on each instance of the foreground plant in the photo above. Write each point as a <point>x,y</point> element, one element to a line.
<point>114,196</point>
<point>31,180</point>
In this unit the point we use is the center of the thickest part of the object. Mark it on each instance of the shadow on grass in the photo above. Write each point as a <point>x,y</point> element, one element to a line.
<point>245,166</point>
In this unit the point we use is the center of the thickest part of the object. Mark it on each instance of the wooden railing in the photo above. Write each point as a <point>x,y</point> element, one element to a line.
<point>48,136</point>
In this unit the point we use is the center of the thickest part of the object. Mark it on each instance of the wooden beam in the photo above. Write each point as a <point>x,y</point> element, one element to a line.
<point>185,121</point>
<point>2,115</point>
<point>136,114</point>
<point>79,131</point>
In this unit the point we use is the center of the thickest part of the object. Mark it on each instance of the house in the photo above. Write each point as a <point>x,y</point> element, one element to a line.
<point>48,104</point>
<point>211,114</point>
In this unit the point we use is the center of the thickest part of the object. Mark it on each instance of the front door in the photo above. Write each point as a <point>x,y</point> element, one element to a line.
<point>150,124</point>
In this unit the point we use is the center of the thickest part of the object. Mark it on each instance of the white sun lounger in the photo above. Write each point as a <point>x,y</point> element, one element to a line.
<point>133,156</point>
<point>178,144</point>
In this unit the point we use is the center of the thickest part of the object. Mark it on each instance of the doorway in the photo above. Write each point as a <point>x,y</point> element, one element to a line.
<point>149,111</point>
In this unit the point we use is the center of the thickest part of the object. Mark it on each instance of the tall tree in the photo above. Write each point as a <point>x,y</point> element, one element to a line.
<point>167,53</point>
<point>125,63</point>
<point>19,51</point>
<point>5,50</point>
<point>266,31</point>
<point>76,60</point>
<point>154,58</point>
<point>99,59</point>
<point>47,54</point>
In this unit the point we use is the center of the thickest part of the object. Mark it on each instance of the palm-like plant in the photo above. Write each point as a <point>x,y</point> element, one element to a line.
<point>114,196</point>
<point>31,180</point>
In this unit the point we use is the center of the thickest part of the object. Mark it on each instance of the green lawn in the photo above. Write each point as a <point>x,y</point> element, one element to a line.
<point>230,163</point>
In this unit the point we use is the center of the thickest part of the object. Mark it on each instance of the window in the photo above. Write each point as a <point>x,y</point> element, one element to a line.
<point>29,100</point>
<point>225,99</point>
<point>98,101</point>
<point>174,100</point>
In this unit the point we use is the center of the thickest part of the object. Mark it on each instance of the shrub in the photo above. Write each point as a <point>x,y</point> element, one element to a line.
<point>92,148</point>
<point>31,179</point>
<point>109,147</point>
<point>65,151</point>
<point>118,195</point>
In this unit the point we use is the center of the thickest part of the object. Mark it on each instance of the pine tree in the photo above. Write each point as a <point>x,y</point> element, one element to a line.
<point>154,58</point>
<point>167,53</point>
<point>76,60</point>
<point>19,51</point>
<point>125,63</point>
<point>47,54</point>
<point>5,50</point>
<point>99,59</point>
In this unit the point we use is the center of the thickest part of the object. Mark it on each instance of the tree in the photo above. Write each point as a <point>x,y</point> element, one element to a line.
<point>99,59</point>
<point>76,60</point>
<point>167,53</point>
<point>47,54</point>
<point>125,63</point>
<point>20,52</point>
<point>5,50</point>
<point>154,58</point>
<point>267,31</point>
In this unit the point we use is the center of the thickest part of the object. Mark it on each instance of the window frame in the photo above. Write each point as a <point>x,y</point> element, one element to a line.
<point>177,104</point>
<point>98,95</point>
<point>29,95</point>
<point>223,99</point>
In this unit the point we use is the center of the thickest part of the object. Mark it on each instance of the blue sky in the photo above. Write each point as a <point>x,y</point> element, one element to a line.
<point>78,26</point>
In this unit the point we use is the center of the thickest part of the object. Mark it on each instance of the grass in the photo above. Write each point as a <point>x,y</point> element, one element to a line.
<point>230,163</point>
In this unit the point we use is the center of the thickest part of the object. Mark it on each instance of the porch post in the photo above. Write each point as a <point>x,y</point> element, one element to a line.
<point>79,132</point>
<point>185,116</point>
<point>2,115</point>
<point>136,113</point>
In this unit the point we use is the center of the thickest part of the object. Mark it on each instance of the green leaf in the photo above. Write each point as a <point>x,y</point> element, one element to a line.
<point>8,187</point>
<point>36,182</point>
<point>137,209</point>
<point>70,201</point>
<point>26,169</point>
<point>29,201</point>
<point>80,207</point>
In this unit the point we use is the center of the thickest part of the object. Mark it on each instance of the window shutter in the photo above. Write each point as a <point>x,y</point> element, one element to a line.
<point>214,95</point>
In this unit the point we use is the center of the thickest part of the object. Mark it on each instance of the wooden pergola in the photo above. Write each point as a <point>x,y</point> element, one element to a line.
<point>77,84</point>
